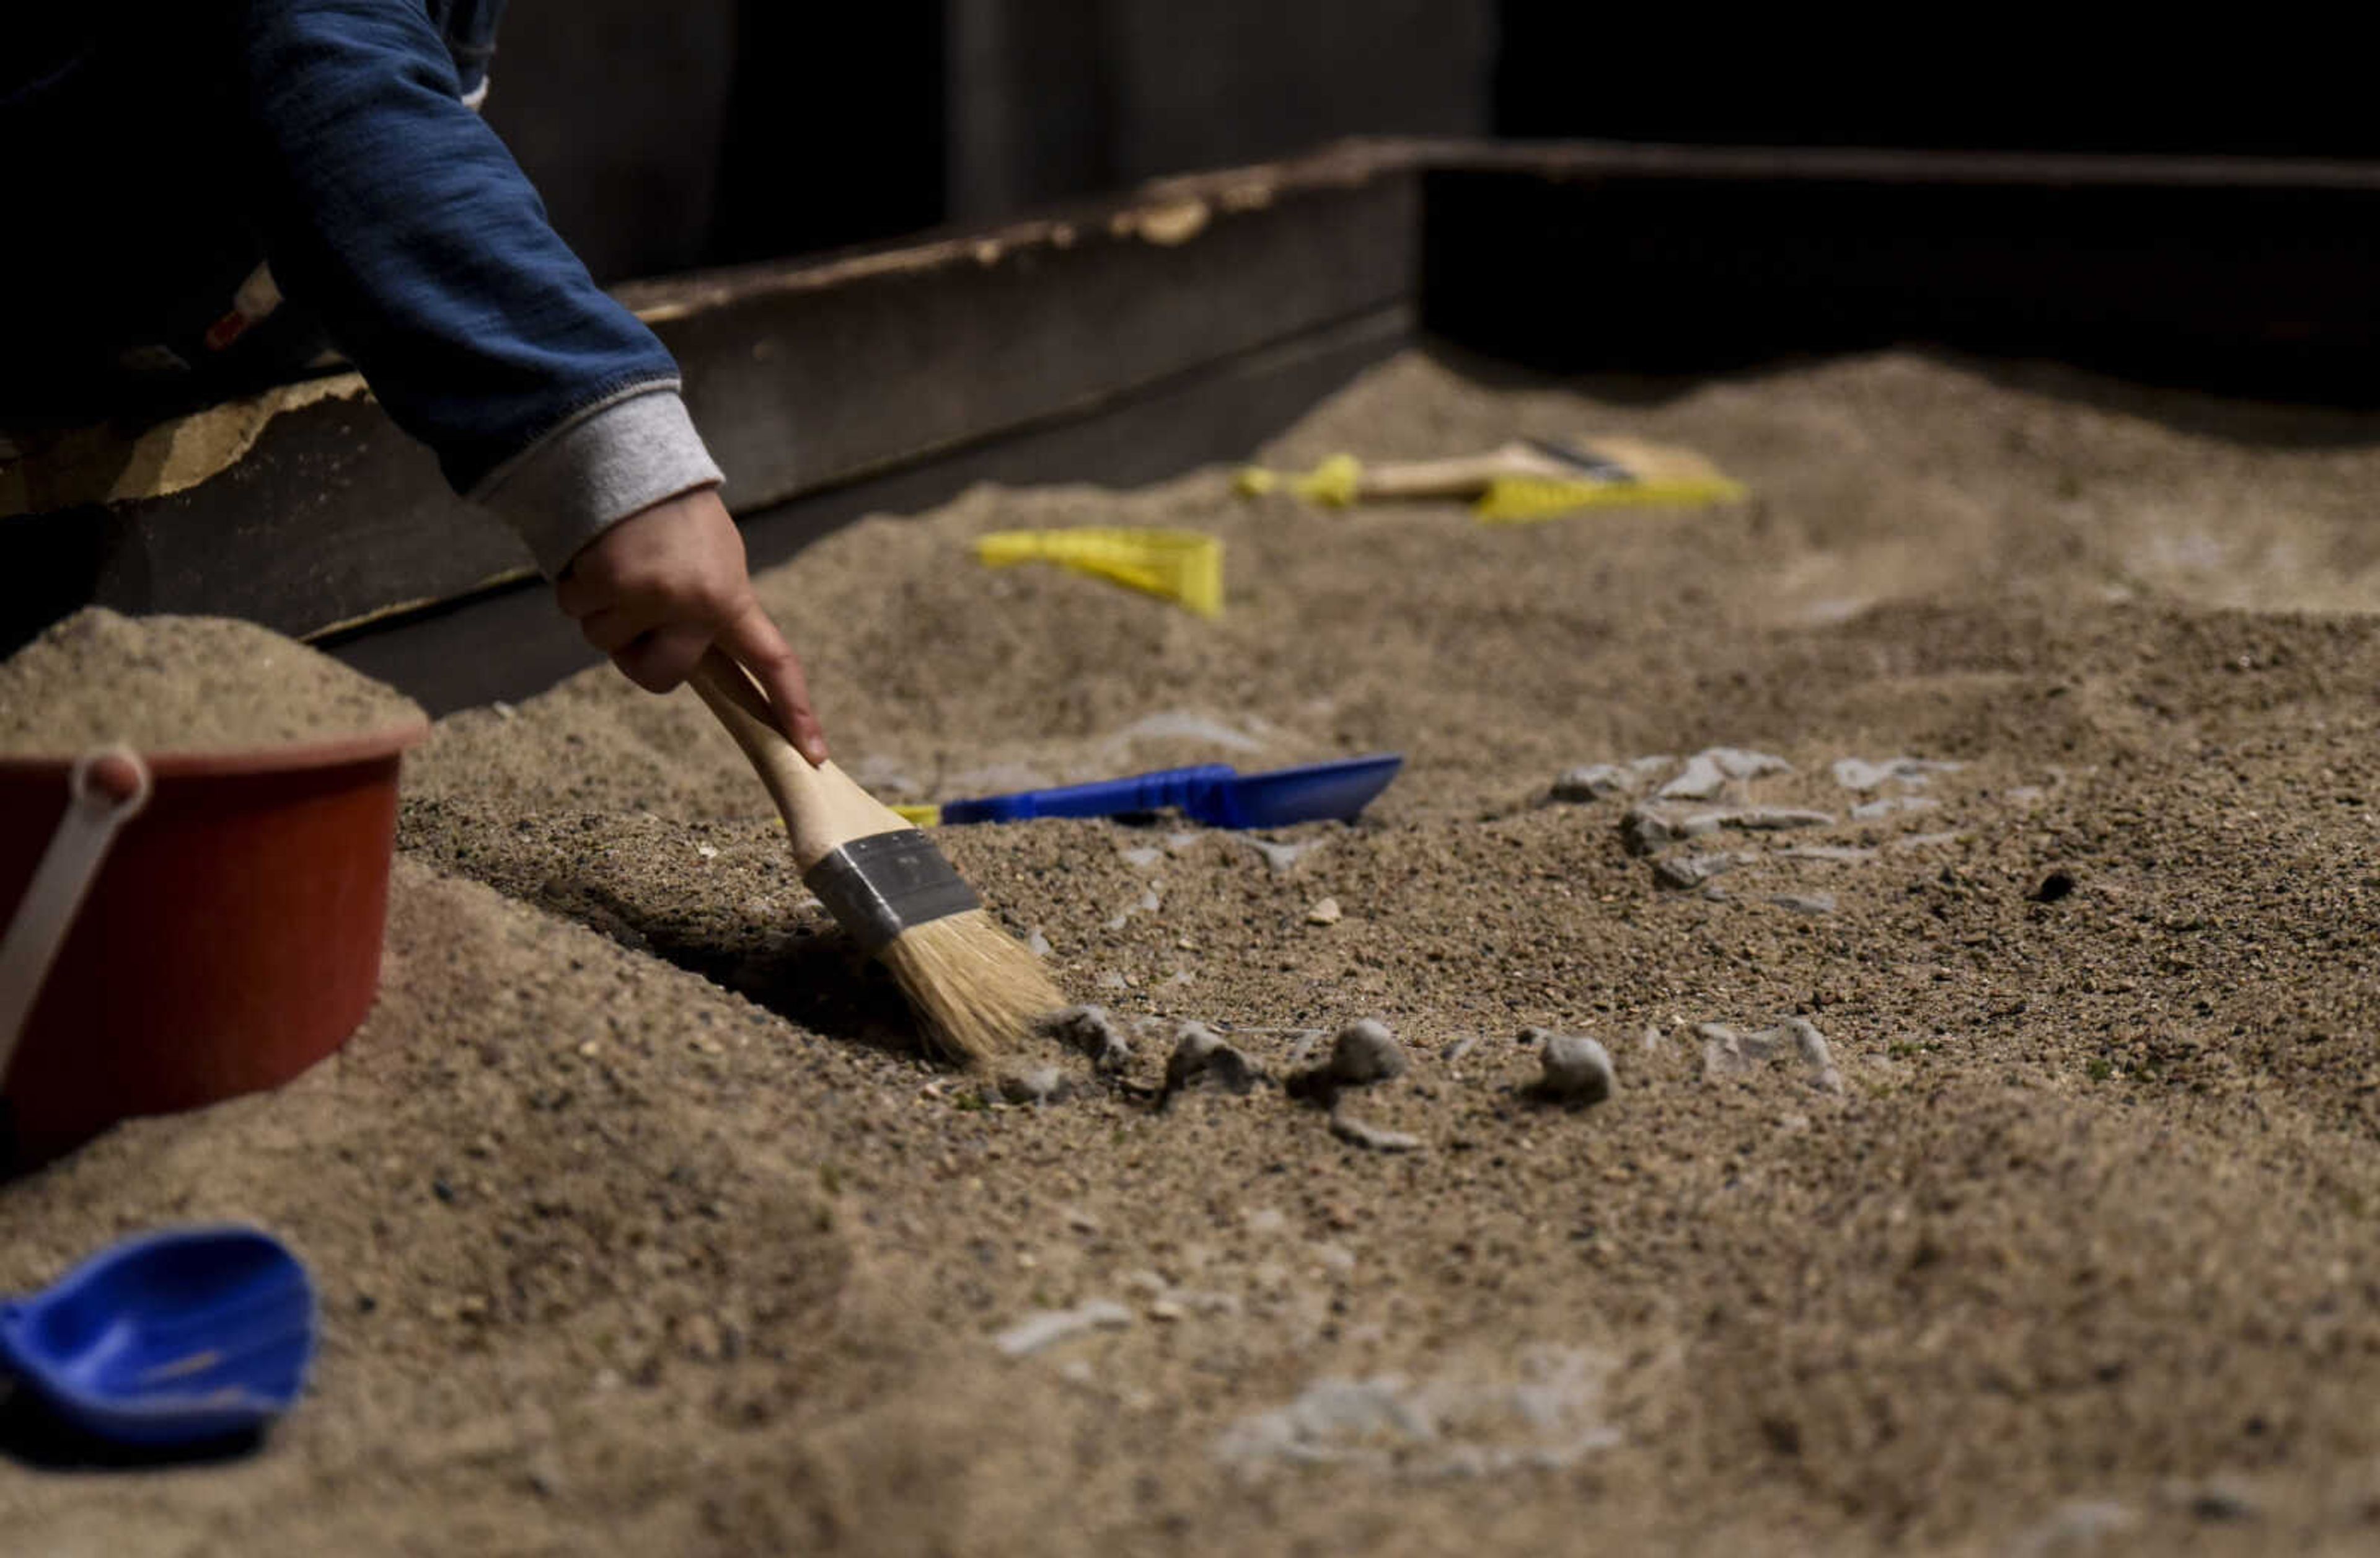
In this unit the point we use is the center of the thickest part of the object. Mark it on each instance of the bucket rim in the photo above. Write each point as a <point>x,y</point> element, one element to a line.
<point>286,756</point>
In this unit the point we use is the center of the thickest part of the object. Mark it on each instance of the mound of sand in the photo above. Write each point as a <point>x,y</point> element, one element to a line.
<point>165,684</point>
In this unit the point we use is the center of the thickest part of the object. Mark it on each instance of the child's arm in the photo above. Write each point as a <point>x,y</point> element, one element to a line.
<point>391,210</point>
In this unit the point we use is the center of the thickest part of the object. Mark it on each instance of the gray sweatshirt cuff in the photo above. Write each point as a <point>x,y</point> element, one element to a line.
<point>616,457</point>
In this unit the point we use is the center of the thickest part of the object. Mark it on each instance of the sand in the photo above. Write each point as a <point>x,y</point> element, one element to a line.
<point>166,684</point>
<point>642,1228</point>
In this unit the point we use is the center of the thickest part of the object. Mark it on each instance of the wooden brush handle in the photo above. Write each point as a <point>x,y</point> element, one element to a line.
<point>1465,476</point>
<point>824,808</point>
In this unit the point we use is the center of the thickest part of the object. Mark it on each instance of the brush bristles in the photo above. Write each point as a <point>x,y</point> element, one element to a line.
<point>977,991</point>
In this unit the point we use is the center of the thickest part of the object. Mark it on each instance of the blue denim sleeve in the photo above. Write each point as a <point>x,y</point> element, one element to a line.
<point>395,213</point>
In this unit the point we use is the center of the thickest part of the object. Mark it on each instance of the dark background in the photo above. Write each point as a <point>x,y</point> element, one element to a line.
<point>706,132</point>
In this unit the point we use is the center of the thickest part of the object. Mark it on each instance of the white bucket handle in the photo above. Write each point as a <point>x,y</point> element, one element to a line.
<point>60,883</point>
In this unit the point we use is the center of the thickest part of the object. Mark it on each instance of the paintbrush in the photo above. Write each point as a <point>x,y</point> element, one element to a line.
<point>974,988</point>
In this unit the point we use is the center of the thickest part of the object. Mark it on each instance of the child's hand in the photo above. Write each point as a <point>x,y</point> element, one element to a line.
<point>660,587</point>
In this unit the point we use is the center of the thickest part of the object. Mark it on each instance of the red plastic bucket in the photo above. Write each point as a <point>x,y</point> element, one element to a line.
<point>231,939</point>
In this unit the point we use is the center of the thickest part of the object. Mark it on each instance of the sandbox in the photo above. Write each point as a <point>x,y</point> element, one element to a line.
<point>642,1227</point>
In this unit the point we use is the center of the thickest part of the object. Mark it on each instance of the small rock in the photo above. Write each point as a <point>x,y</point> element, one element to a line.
<point>1577,1070</point>
<point>1715,894</point>
<point>1033,1084</point>
<point>1925,841</point>
<point>1200,1057</point>
<point>1644,830</point>
<point>1804,903</point>
<point>1089,1031</point>
<point>1036,944</point>
<point>1460,1048</point>
<point>1737,763</point>
<point>1356,1133</point>
<point>1282,857</point>
<point>1857,773</point>
<point>1366,1051</point>
<point>1690,870</point>
<point>1597,781</point>
<point>1727,1052</point>
<point>1869,811</point>
<point>1770,818</point>
<point>1326,911</point>
<point>1703,779</point>
<point>1047,1328</point>
<point>1143,858</point>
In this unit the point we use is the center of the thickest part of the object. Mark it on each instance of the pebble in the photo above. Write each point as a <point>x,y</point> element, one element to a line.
<point>1282,857</point>
<point>1703,779</point>
<point>1461,1047</point>
<point>1644,830</point>
<point>1326,911</point>
<point>1356,1133</point>
<point>1925,841</point>
<point>1767,819</point>
<point>1143,858</point>
<point>1833,854</point>
<point>1047,1328</point>
<point>1366,1051</point>
<point>1869,811</point>
<point>1737,763</point>
<point>1576,1069</point>
<point>1858,774</point>
<point>1199,1056</point>
<point>1597,781</point>
<point>1727,1052</point>
<point>1036,944</point>
<point>1035,1084</point>
<point>1804,903</point>
<point>1690,870</point>
<point>1090,1031</point>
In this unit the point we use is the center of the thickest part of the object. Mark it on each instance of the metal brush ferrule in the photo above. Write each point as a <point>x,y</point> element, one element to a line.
<point>878,886</point>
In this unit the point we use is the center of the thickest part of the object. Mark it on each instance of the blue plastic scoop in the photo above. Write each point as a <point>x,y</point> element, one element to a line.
<point>173,1338</point>
<point>1215,794</point>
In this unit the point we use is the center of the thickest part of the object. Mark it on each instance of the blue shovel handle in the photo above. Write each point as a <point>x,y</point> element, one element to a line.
<point>1186,788</point>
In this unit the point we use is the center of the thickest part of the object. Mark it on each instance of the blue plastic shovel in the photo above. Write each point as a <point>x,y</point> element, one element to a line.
<point>173,1338</point>
<point>1215,794</point>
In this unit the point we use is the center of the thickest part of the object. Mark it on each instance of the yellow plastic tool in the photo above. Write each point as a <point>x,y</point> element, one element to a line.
<point>1519,483</point>
<point>1184,566</point>
<point>921,816</point>
<point>1337,482</point>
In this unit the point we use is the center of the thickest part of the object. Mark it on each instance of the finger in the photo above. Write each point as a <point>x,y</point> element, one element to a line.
<point>578,596</point>
<point>662,659</point>
<point>754,642</point>
<point>614,629</point>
